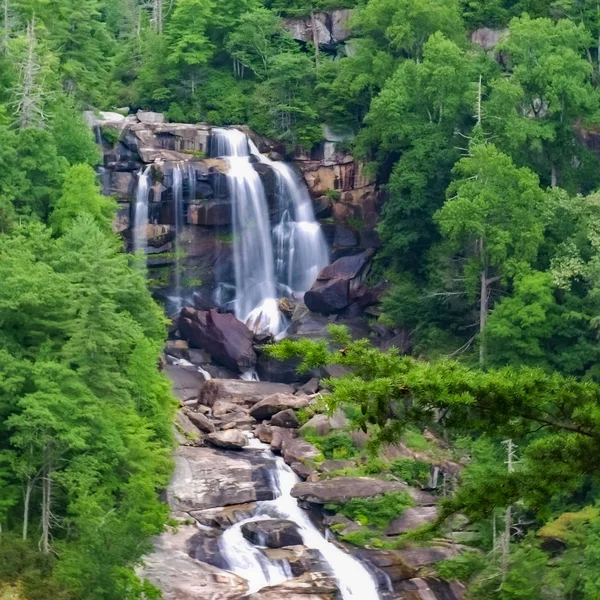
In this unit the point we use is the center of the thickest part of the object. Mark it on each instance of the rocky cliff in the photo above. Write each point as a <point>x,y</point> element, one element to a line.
<point>345,198</point>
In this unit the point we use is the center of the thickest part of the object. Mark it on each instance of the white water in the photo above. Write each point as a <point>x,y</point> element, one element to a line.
<point>178,220</point>
<point>191,182</point>
<point>269,261</point>
<point>300,248</point>
<point>256,300</point>
<point>355,582</point>
<point>140,223</point>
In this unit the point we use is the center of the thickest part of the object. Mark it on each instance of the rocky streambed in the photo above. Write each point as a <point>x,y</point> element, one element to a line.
<point>248,498</point>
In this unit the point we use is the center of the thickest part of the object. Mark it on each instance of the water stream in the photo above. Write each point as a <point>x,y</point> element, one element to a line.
<point>355,582</point>
<point>178,220</point>
<point>270,261</point>
<point>140,223</point>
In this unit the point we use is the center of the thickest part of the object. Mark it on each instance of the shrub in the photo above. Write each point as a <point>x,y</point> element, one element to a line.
<point>338,445</point>
<point>377,511</point>
<point>462,567</point>
<point>415,472</point>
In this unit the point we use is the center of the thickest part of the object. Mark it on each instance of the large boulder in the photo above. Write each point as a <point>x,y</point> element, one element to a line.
<point>210,478</point>
<point>428,588</point>
<point>238,391</point>
<point>286,418</point>
<point>271,405</point>
<point>231,439</point>
<point>324,424</point>
<point>342,489</point>
<point>203,423</point>
<point>311,586</point>
<point>338,284</point>
<point>412,518</point>
<point>226,339</point>
<point>273,533</point>
<point>300,558</point>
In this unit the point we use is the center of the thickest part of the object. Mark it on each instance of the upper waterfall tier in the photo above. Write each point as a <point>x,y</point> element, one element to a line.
<point>271,260</point>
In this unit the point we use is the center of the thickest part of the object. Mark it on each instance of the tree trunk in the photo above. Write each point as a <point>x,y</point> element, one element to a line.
<point>483,304</point>
<point>554,177</point>
<point>46,510</point>
<point>315,33</point>
<point>26,503</point>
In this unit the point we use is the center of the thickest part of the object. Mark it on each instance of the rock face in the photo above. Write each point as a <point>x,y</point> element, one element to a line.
<point>338,284</point>
<point>323,424</point>
<point>239,392</point>
<point>328,28</point>
<point>226,339</point>
<point>273,533</point>
<point>286,418</point>
<point>342,489</point>
<point>210,478</point>
<point>431,589</point>
<point>180,577</point>
<point>412,518</point>
<point>276,403</point>
<point>311,586</point>
<point>232,439</point>
<point>202,422</point>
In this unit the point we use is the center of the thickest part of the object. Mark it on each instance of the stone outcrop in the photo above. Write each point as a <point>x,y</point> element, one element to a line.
<point>488,38</point>
<point>323,424</point>
<point>286,418</point>
<point>273,533</point>
<point>231,439</point>
<point>276,403</point>
<point>412,518</point>
<point>311,586</point>
<point>227,340</point>
<point>342,489</point>
<point>239,392</point>
<point>431,589</point>
<point>338,284</point>
<point>327,28</point>
<point>209,478</point>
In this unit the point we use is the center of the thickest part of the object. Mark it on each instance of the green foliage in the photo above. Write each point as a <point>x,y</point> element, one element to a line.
<point>335,445</point>
<point>378,511</point>
<point>462,567</point>
<point>414,472</point>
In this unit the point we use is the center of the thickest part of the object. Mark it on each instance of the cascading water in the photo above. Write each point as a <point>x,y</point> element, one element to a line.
<point>256,300</point>
<point>355,582</point>
<point>286,258</point>
<point>140,223</point>
<point>300,248</point>
<point>178,220</point>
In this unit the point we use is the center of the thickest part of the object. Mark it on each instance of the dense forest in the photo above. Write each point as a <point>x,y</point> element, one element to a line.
<point>490,234</point>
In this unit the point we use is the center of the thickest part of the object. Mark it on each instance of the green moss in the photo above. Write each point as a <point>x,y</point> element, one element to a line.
<point>195,153</point>
<point>333,194</point>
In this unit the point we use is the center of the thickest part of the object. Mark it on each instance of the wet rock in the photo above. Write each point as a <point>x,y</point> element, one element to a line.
<point>238,391</point>
<point>281,436</point>
<point>338,283</point>
<point>264,433</point>
<point>412,518</point>
<point>275,403</point>
<point>202,422</point>
<point>311,586</point>
<point>273,533</point>
<point>178,349</point>
<point>226,339</point>
<point>281,371</point>
<point>300,558</point>
<point>179,577</point>
<point>210,214</point>
<point>232,439</point>
<point>342,489</point>
<point>185,381</point>
<point>285,418</point>
<point>429,588</point>
<point>198,357</point>
<point>224,517</point>
<point>388,562</point>
<point>303,471</point>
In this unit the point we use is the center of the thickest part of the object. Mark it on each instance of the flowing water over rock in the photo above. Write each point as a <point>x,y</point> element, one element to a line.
<point>270,260</point>
<point>355,582</point>
<point>140,228</point>
<point>178,220</point>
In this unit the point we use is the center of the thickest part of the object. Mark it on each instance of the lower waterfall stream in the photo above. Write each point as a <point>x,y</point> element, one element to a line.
<point>355,582</point>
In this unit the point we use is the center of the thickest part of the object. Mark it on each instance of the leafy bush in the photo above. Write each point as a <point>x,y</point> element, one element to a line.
<point>110,134</point>
<point>338,445</point>
<point>415,472</point>
<point>462,567</point>
<point>377,511</point>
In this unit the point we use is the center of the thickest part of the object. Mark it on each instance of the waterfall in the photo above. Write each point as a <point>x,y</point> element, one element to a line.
<point>355,582</point>
<point>287,256</point>
<point>191,182</point>
<point>140,223</point>
<point>300,248</point>
<point>178,220</point>
<point>256,301</point>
